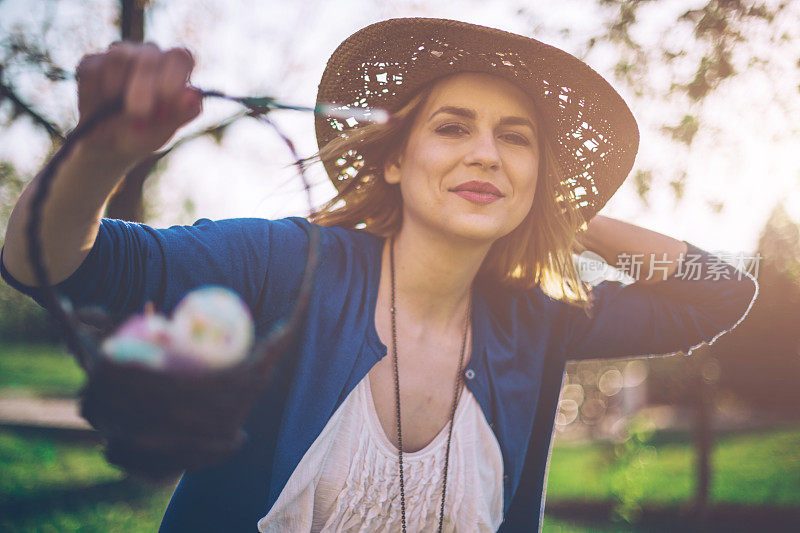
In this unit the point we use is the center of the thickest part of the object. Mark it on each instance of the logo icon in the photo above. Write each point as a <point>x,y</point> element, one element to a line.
<point>592,268</point>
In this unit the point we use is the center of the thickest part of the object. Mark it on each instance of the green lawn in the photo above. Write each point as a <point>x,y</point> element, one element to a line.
<point>55,486</point>
<point>34,465</point>
<point>39,369</point>
<point>44,489</point>
<point>749,469</point>
<point>140,515</point>
<point>52,486</point>
<point>760,468</point>
<point>552,525</point>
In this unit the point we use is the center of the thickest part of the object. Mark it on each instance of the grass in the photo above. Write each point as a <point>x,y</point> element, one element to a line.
<point>32,465</point>
<point>752,469</point>
<point>48,486</point>
<point>47,475</point>
<point>553,525</point>
<point>55,486</point>
<point>42,369</point>
<point>748,469</point>
<point>139,515</point>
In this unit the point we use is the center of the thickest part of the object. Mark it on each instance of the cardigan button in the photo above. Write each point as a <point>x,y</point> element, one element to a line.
<point>469,373</point>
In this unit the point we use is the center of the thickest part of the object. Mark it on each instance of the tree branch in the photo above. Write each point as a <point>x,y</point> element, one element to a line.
<point>6,91</point>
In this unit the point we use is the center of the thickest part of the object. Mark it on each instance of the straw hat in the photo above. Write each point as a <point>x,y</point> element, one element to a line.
<point>384,64</point>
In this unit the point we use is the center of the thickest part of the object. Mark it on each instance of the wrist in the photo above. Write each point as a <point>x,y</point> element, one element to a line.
<point>99,161</point>
<point>85,181</point>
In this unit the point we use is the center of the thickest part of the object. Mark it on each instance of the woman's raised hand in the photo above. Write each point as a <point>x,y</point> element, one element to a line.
<point>157,99</point>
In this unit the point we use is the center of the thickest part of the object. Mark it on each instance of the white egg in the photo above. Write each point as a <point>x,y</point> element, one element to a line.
<point>213,325</point>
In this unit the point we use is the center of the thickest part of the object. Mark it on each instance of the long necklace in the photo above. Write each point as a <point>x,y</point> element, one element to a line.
<point>456,395</point>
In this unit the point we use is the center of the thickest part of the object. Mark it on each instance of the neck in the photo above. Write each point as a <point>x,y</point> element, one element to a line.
<point>433,276</point>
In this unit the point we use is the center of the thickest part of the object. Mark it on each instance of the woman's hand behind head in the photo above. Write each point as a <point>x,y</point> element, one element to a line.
<point>156,97</point>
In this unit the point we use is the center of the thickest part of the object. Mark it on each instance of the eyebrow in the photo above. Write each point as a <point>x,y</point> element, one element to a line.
<point>470,114</point>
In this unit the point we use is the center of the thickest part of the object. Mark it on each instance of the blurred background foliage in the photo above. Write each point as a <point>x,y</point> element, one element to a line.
<point>20,318</point>
<point>708,441</point>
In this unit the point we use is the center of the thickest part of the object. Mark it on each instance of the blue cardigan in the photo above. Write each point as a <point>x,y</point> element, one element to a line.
<point>521,341</point>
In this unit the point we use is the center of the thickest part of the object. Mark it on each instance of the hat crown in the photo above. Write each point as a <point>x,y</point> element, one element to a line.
<point>595,136</point>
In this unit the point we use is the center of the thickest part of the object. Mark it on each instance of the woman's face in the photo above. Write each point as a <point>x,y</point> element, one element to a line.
<point>470,165</point>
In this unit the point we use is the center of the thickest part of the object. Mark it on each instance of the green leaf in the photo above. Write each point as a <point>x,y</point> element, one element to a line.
<point>642,179</point>
<point>685,131</point>
<point>259,102</point>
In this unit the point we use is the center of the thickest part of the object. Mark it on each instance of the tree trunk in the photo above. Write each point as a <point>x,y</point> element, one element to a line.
<point>126,202</point>
<point>703,438</point>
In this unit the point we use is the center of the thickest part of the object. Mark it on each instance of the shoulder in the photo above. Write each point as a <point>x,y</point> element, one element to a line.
<point>284,233</point>
<point>334,241</point>
<point>281,247</point>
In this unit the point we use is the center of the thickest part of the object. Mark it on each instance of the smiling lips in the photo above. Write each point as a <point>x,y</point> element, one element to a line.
<point>479,192</point>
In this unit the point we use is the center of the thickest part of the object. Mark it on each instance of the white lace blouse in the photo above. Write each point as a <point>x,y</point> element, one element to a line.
<point>348,480</point>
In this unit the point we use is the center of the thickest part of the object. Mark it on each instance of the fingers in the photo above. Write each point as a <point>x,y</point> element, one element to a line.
<point>153,86</point>
<point>88,73</point>
<point>176,65</point>
<point>190,104</point>
<point>143,75</point>
<point>119,60</point>
<point>178,103</point>
<point>157,89</point>
<point>141,91</point>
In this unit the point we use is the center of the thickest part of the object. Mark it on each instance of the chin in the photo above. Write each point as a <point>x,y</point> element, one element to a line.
<point>479,232</point>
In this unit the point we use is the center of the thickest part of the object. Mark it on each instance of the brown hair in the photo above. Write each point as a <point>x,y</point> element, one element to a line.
<point>537,252</point>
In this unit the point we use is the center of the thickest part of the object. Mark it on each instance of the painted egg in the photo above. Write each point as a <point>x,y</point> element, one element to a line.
<point>213,326</point>
<point>143,339</point>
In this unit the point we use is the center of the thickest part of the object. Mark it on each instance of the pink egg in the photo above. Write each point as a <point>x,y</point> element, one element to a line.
<point>152,327</point>
<point>142,339</point>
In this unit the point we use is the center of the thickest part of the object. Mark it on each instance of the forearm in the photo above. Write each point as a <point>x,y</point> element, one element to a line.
<point>639,252</point>
<point>70,217</point>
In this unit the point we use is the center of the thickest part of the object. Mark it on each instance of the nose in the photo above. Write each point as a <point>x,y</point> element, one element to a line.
<point>483,152</point>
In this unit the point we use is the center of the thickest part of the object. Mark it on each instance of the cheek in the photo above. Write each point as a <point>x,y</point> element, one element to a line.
<point>426,167</point>
<point>527,178</point>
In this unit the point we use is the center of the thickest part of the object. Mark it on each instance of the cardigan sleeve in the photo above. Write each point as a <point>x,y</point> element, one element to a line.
<point>703,299</point>
<point>131,264</point>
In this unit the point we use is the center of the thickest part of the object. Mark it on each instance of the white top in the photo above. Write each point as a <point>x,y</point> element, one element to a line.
<point>349,479</point>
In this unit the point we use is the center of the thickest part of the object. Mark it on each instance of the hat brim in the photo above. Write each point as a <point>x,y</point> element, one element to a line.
<point>383,65</point>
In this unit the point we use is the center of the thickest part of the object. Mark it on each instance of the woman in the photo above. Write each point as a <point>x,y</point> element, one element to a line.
<point>448,248</point>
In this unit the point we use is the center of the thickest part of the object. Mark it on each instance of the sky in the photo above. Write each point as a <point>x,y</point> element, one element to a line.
<point>746,155</point>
